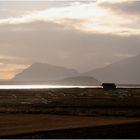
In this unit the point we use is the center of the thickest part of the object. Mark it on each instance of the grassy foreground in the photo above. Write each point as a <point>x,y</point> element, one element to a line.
<point>73,101</point>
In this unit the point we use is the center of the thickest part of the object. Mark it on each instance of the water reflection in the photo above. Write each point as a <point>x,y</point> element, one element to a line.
<point>42,86</point>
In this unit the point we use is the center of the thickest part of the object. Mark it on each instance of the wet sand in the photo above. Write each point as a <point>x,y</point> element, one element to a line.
<point>114,131</point>
<point>43,126</point>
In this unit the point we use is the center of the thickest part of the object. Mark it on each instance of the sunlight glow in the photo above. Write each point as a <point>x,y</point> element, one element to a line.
<point>7,71</point>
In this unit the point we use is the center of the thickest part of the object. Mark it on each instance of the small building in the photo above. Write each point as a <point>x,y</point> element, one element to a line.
<point>109,86</point>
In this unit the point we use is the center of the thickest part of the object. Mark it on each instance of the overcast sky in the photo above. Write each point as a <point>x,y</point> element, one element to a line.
<point>76,34</point>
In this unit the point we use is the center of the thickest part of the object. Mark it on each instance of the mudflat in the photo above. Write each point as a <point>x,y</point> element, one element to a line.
<point>16,124</point>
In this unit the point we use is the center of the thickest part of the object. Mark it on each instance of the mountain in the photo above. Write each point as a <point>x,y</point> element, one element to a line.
<point>45,72</point>
<point>78,81</point>
<point>38,73</point>
<point>123,72</point>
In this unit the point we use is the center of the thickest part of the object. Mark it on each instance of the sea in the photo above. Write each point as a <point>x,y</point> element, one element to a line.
<point>58,86</point>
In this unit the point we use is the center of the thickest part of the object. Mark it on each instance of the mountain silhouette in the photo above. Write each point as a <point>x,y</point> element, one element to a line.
<point>50,74</point>
<point>78,81</point>
<point>45,72</point>
<point>123,72</point>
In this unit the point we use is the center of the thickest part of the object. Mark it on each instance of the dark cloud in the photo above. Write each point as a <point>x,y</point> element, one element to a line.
<point>59,45</point>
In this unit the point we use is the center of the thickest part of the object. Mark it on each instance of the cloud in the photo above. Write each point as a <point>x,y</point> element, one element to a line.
<point>67,36</point>
<point>112,1</point>
<point>130,8</point>
<point>96,19</point>
<point>56,44</point>
<point>16,8</point>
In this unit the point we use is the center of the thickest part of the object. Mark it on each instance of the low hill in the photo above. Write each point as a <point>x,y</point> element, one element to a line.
<point>78,81</point>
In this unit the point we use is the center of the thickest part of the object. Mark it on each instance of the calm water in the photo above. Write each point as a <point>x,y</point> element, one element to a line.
<point>42,86</point>
<point>58,86</point>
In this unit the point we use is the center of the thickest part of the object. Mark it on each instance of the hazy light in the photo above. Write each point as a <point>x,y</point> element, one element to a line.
<point>7,71</point>
<point>91,16</point>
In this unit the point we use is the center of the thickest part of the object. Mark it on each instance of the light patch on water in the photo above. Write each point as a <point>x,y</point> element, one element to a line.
<point>42,86</point>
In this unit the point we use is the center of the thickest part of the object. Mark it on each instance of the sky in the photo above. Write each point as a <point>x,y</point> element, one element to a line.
<point>78,34</point>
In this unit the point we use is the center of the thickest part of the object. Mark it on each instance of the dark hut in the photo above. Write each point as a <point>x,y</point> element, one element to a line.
<point>109,86</point>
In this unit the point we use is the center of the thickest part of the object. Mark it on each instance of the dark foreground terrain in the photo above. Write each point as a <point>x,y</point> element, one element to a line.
<point>72,101</point>
<point>64,126</point>
<point>73,113</point>
<point>123,131</point>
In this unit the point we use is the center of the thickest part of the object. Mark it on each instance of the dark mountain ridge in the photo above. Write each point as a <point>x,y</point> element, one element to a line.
<point>126,71</point>
<point>44,72</point>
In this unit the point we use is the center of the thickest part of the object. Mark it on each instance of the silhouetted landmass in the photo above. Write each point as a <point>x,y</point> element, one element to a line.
<point>45,72</point>
<point>78,81</point>
<point>122,72</point>
<point>69,81</point>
